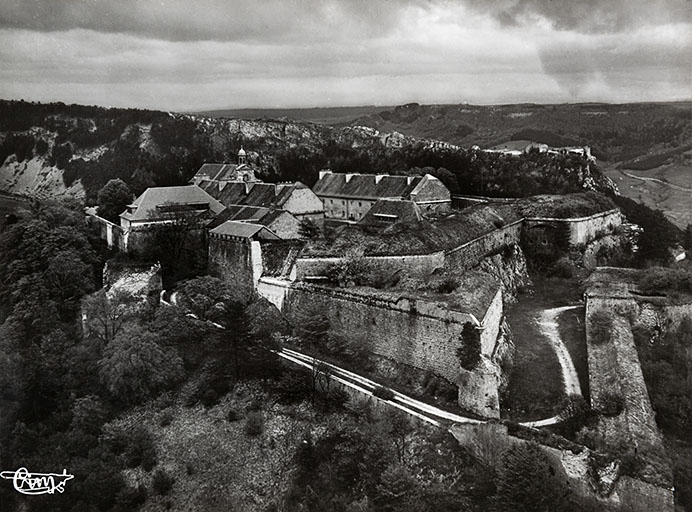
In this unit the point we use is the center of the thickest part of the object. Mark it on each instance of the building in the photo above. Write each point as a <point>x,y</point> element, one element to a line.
<point>161,205</point>
<point>235,255</point>
<point>283,223</point>
<point>387,212</point>
<point>348,197</point>
<point>241,172</point>
<point>295,198</point>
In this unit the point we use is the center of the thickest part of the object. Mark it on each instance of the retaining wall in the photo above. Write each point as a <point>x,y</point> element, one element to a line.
<point>471,253</point>
<point>412,265</point>
<point>416,332</point>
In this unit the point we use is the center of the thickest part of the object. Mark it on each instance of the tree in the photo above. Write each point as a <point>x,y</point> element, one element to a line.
<point>112,200</point>
<point>105,317</point>
<point>134,366</point>
<point>70,278</point>
<point>469,353</point>
<point>206,297</point>
<point>176,239</point>
<point>308,229</point>
<point>529,483</point>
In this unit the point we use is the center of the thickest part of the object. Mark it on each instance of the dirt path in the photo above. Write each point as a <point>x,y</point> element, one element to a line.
<point>547,323</point>
<point>656,180</point>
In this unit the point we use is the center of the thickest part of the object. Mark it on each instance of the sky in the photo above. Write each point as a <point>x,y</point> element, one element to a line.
<point>188,55</point>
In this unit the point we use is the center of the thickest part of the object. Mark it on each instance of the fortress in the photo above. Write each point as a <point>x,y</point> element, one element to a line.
<point>422,330</point>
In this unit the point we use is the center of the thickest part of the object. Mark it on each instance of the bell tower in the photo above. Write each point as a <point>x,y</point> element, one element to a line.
<point>242,156</point>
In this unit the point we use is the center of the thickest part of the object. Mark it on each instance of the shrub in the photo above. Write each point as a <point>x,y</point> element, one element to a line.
<point>601,326</point>
<point>254,424</point>
<point>137,448</point>
<point>166,418</point>
<point>611,403</point>
<point>469,353</point>
<point>255,405</point>
<point>162,482</point>
<point>232,415</point>
<point>130,498</point>
<point>338,398</point>
<point>563,268</point>
<point>528,482</point>
<point>383,393</point>
<point>448,285</point>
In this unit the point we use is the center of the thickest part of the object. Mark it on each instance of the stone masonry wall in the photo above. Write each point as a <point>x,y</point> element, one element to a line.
<point>489,441</point>
<point>412,265</point>
<point>231,261</point>
<point>418,333</point>
<point>471,253</point>
<point>582,230</point>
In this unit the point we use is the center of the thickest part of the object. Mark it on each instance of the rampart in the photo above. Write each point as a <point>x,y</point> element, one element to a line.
<point>617,384</point>
<point>410,330</point>
<point>472,253</point>
<point>580,230</point>
<point>411,264</point>
<point>237,262</point>
<point>489,441</point>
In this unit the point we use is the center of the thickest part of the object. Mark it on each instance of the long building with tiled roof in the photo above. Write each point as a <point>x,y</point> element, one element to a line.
<point>296,198</point>
<point>348,197</point>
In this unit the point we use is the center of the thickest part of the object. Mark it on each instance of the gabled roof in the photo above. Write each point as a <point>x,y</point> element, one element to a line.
<point>244,230</point>
<point>252,214</point>
<point>267,195</point>
<point>365,186</point>
<point>153,202</point>
<point>386,212</point>
<point>220,172</point>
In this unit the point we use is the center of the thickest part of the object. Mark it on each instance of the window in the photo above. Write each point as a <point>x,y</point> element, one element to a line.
<point>359,204</point>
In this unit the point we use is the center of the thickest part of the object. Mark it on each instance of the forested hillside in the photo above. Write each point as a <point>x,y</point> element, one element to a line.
<point>615,132</point>
<point>48,148</point>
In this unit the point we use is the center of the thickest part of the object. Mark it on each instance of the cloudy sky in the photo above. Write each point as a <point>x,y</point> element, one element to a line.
<point>205,54</point>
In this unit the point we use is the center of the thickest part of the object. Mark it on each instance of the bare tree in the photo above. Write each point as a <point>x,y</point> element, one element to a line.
<point>104,317</point>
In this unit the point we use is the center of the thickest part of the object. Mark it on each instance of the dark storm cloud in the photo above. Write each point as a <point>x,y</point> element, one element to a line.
<point>222,20</point>
<point>600,16</point>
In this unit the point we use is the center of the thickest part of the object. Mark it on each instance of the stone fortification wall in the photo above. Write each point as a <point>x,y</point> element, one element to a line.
<point>420,333</point>
<point>412,265</point>
<point>472,253</point>
<point>580,230</point>
<point>489,441</point>
<point>232,262</point>
<point>614,370</point>
<point>411,331</point>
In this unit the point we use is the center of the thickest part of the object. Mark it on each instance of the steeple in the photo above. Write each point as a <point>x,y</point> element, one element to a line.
<point>242,156</point>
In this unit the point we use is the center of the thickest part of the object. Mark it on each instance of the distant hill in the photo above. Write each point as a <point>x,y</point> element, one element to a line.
<point>324,115</point>
<point>615,132</point>
<point>48,150</point>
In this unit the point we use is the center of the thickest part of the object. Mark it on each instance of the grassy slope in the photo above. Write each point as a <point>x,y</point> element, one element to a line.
<point>676,204</point>
<point>535,386</point>
<point>215,464</point>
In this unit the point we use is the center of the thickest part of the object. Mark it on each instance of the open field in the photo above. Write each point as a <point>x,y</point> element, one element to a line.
<point>667,188</point>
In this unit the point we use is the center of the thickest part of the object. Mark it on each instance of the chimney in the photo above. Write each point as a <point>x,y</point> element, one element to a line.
<point>409,179</point>
<point>378,178</point>
<point>248,187</point>
<point>324,172</point>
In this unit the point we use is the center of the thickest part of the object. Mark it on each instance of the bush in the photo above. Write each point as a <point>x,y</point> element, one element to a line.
<point>137,448</point>
<point>162,482</point>
<point>469,353</point>
<point>448,285</point>
<point>254,424</point>
<point>611,403</point>
<point>232,415</point>
<point>563,268</point>
<point>131,498</point>
<point>601,326</point>
<point>383,393</point>
<point>166,418</point>
<point>255,405</point>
